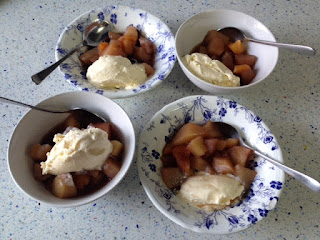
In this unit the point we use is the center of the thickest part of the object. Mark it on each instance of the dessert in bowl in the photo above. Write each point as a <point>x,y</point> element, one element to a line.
<point>48,150</point>
<point>260,198</point>
<point>195,31</point>
<point>120,17</point>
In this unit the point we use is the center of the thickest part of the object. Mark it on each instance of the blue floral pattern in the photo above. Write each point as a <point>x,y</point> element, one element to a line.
<point>121,17</point>
<point>264,192</point>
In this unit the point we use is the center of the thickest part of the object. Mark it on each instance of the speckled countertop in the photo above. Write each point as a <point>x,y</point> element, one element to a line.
<point>288,102</point>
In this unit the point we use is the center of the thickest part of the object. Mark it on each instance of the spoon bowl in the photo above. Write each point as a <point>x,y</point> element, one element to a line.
<point>309,182</point>
<point>92,36</point>
<point>236,34</point>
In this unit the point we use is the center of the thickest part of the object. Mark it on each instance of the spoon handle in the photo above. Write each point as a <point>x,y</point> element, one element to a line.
<point>311,183</point>
<point>297,48</point>
<point>7,100</point>
<point>40,76</point>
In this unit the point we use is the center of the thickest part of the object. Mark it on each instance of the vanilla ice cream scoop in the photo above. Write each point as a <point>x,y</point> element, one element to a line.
<point>116,72</point>
<point>206,189</point>
<point>211,71</point>
<point>77,150</point>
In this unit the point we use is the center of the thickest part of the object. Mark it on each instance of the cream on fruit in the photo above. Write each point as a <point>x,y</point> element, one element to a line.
<point>77,150</point>
<point>211,191</point>
<point>211,71</point>
<point>118,72</point>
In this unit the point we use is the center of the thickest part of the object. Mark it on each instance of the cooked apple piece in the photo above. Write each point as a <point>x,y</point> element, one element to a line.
<point>38,152</point>
<point>240,68</point>
<point>93,173</point>
<point>245,73</point>
<point>114,36</point>
<point>126,45</point>
<point>246,175</point>
<point>212,130</point>
<point>81,180</point>
<point>246,59</point>
<point>172,177</point>
<point>227,59</point>
<point>198,163</point>
<point>211,144</point>
<point>213,33</point>
<point>71,121</point>
<point>237,47</point>
<point>105,126</point>
<point>197,146</point>
<point>188,132</point>
<point>215,46</point>
<point>101,47</point>
<point>63,186</point>
<point>117,148</point>
<point>182,156</point>
<point>241,155</point>
<point>141,55</point>
<point>147,45</point>
<point>37,173</point>
<point>114,49</point>
<point>231,142</point>
<point>168,148</point>
<point>149,70</point>
<point>132,33</point>
<point>111,167</point>
<point>221,144</point>
<point>247,76</point>
<point>224,153</point>
<point>203,49</point>
<point>96,177</point>
<point>168,160</point>
<point>89,57</point>
<point>222,165</point>
<point>209,170</point>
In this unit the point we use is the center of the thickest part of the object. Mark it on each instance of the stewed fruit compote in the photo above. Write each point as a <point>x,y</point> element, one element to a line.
<point>206,168</point>
<point>56,173</point>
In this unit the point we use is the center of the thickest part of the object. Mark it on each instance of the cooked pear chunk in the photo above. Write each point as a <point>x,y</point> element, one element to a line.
<point>188,132</point>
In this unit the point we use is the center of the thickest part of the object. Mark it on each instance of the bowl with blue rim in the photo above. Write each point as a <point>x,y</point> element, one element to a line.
<point>120,17</point>
<point>264,192</point>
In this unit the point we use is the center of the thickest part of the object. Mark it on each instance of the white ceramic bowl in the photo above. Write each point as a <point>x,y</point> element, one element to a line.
<point>193,31</point>
<point>120,17</point>
<point>264,192</point>
<point>35,124</point>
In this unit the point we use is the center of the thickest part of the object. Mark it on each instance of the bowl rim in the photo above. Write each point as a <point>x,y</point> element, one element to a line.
<point>151,82</point>
<point>152,196</point>
<point>85,199</point>
<point>213,86</point>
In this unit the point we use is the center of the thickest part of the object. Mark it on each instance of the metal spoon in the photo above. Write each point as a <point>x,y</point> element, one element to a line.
<point>92,36</point>
<point>80,111</point>
<point>236,34</point>
<point>311,183</point>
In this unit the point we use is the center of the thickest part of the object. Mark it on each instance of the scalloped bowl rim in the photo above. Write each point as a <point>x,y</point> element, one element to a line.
<point>151,83</point>
<point>171,107</point>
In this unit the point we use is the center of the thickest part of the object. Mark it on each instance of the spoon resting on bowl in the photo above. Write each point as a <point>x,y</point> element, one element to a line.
<point>236,34</point>
<point>94,34</point>
<point>85,114</point>
<point>309,182</point>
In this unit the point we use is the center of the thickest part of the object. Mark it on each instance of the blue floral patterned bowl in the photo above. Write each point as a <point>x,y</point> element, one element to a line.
<point>121,17</point>
<point>264,192</point>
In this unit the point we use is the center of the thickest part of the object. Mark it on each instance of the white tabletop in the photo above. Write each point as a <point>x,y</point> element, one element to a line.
<point>288,102</point>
